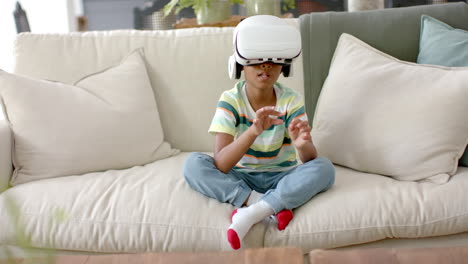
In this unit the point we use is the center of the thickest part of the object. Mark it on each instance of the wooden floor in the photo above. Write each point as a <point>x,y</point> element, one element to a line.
<point>249,256</point>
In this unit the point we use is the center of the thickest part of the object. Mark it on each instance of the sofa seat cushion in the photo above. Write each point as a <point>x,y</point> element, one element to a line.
<point>362,208</point>
<point>144,208</point>
<point>151,208</point>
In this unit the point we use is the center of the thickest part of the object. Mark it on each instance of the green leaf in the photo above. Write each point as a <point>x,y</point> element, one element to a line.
<point>197,5</point>
<point>289,4</point>
<point>169,7</point>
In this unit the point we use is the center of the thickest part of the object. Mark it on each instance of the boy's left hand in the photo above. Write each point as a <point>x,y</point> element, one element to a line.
<point>299,131</point>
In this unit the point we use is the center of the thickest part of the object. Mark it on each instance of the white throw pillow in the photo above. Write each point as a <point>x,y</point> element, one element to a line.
<point>381,115</point>
<point>107,120</point>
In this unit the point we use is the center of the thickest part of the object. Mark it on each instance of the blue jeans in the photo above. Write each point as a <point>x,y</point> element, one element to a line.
<point>282,190</point>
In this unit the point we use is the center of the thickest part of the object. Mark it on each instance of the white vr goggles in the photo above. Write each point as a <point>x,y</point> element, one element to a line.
<point>264,38</point>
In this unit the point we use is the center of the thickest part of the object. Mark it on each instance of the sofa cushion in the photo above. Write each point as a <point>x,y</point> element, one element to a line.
<point>151,208</point>
<point>362,208</point>
<point>107,120</point>
<point>394,31</point>
<point>141,209</point>
<point>187,67</point>
<point>441,44</point>
<point>381,115</point>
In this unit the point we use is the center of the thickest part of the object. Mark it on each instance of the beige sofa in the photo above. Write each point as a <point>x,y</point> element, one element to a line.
<point>151,208</point>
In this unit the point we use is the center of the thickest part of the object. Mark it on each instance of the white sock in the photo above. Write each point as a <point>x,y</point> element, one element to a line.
<point>244,219</point>
<point>254,197</point>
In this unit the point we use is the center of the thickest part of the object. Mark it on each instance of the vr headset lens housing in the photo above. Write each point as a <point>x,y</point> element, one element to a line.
<point>262,39</point>
<point>252,62</point>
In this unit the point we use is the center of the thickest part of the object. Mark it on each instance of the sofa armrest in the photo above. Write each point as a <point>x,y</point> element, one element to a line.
<point>6,166</point>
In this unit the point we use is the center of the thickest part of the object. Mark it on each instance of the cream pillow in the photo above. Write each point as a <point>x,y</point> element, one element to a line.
<point>108,120</point>
<point>381,115</point>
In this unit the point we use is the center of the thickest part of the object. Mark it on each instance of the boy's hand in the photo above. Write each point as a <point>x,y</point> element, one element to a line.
<point>299,131</point>
<point>263,121</point>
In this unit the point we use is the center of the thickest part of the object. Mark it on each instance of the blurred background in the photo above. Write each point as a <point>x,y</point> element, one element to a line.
<point>61,16</point>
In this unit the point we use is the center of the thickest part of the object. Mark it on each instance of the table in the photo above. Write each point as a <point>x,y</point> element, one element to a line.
<point>231,22</point>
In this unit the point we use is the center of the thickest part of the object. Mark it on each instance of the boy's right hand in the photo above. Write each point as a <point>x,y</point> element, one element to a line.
<point>263,121</point>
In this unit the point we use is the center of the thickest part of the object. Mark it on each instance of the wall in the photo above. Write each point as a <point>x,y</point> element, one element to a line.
<point>8,32</point>
<point>51,16</point>
<point>110,14</point>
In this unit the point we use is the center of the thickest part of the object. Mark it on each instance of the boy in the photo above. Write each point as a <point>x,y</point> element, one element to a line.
<point>258,126</point>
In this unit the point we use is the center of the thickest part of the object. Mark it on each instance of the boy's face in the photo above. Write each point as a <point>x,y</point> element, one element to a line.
<point>262,76</point>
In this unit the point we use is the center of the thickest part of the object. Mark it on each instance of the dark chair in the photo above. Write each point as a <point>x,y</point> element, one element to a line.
<point>21,19</point>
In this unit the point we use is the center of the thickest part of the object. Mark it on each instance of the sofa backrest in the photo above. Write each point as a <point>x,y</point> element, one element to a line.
<point>393,31</point>
<point>187,68</point>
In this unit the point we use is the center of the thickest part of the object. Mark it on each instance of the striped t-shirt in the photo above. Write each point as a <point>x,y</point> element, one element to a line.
<point>272,150</point>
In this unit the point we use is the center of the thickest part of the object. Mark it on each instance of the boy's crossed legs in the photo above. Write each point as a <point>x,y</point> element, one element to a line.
<point>289,190</point>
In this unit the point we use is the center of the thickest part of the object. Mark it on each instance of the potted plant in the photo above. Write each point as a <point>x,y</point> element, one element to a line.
<point>207,11</point>
<point>268,7</point>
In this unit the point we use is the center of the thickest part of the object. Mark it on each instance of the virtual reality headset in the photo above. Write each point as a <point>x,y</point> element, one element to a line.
<point>264,38</point>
